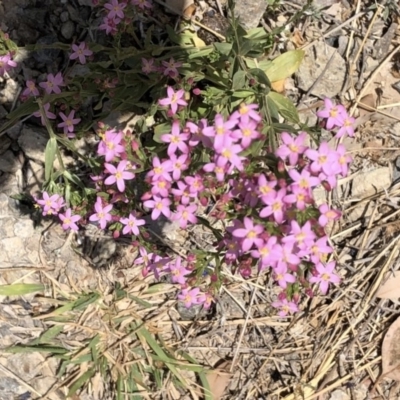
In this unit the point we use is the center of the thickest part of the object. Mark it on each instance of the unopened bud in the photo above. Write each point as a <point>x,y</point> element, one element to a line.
<point>116,234</point>
<point>281,166</point>
<point>326,186</point>
<point>196,91</point>
<point>204,201</point>
<point>146,196</point>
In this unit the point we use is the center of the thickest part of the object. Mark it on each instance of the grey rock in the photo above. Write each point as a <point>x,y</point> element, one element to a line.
<point>79,70</point>
<point>24,228</point>
<point>250,12</point>
<point>68,29</point>
<point>14,132</point>
<point>9,387</point>
<point>15,249</point>
<point>64,16</point>
<point>6,227</point>
<point>3,112</point>
<point>54,20</point>
<point>33,143</point>
<point>46,56</point>
<point>9,163</point>
<point>87,3</point>
<point>322,59</point>
<point>26,34</point>
<point>371,182</point>
<point>5,143</point>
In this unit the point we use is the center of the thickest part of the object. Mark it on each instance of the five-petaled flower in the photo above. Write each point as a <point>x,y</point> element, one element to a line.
<point>132,224</point>
<point>80,52</point>
<point>118,174</point>
<point>68,122</point>
<point>53,83</point>
<point>174,99</point>
<point>102,214</point>
<point>69,220</point>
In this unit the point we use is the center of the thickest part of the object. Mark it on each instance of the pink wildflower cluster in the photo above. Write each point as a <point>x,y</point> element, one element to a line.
<point>53,84</point>
<point>116,13</point>
<point>52,205</point>
<point>272,202</point>
<point>337,117</point>
<point>179,271</point>
<point>6,63</point>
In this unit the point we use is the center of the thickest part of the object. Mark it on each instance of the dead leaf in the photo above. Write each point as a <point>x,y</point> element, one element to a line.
<point>391,288</point>
<point>219,379</point>
<point>189,11</point>
<point>391,352</point>
<point>278,86</point>
<point>297,38</point>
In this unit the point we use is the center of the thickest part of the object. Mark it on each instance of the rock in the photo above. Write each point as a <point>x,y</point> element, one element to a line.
<point>371,182</point>
<point>249,12</point>
<point>5,143</point>
<point>26,34</point>
<point>15,249</point>
<point>3,112</point>
<point>9,163</point>
<point>24,228</point>
<point>79,70</point>
<point>9,92</point>
<point>33,143</point>
<point>64,16</point>
<point>319,59</point>
<point>339,395</point>
<point>68,30</point>
<point>87,3</point>
<point>34,177</point>
<point>217,23</point>
<point>14,132</point>
<point>46,56</point>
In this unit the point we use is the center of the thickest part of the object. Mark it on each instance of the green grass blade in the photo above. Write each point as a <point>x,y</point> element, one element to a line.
<point>19,289</point>
<point>81,381</point>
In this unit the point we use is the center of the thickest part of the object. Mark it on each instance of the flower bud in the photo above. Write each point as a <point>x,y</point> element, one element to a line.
<point>116,234</point>
<point>134,145</point>
<point>326,186</point>
<point>245,272</point>
<point>204,201</point>
<point>282,183</point>
<point>146,196</point>
<point>296,297</point>
<point>196,91</point>
<point>309,292</point>
<point>281,166</point>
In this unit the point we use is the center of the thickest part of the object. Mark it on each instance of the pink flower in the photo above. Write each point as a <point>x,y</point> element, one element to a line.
<point>302,236</point>
<point>343,160</point>
<point>160,170</point>
<point>159,206</point>
<point>160,187</point>
<point>49,203</point>
<point>246,112</point>
<point>250,234</point>
<point>148,65</point>
<point>31,89</point>
<point>286,307</point>
<point>69,122</point>
<point>319,250</point>
<point>327,215</point>
<point>292,147</point>
<point>80,52</point>
<point>110,145</point>
<point>145,258</point>
<point>115,9</point>
<point>48,113</point>
<point>325,276</point>
<point>142,4</point>
<point>218,171</point>
<point>195,183</point>
<point>171,68</point>
<point>282,276</point>
<point>332,112</point>
<point>110,25</point>
<point>174,99</point>
<point>304,179</point>
<point>53,83</point>
<point>118,175</point>
<point>6,64</point>
<point>185,214</point>
<point>299,196</point>
<point>264,253</point>
<point>176,140</point>
<point>183,193</point>
<point>221,131</point>
<point>189,296</point>
<point>178,271</point>
<point>229,153</point>
<point>132,224</point>
<point>247,132</point>
<point>68,220</point>
<point>275,206</point>
<point>323,159</point>
<point>346,125</point>
<point>179,164</point>
<point>266,187</point>
<point>285,255</point>
<point>102,214</point>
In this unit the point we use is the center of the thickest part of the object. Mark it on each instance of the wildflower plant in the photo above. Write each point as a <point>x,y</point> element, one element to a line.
<point>210,134</point>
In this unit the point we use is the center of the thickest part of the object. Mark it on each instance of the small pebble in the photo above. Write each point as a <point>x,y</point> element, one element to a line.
<point>68,29</point>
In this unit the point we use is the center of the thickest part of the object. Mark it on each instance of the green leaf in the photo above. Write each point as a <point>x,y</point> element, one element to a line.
<point>239,80</point>
<point>81,381</point>
<point>285,107</point>
<point>261,76</point>
<point>284,65</point>
<point>33,349</point>
<point>242,94</point>
<point>48,335</point>
<point>223,48</point>
<point>49,157</point>
<point>160,130</point>
<point>19,289</point>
